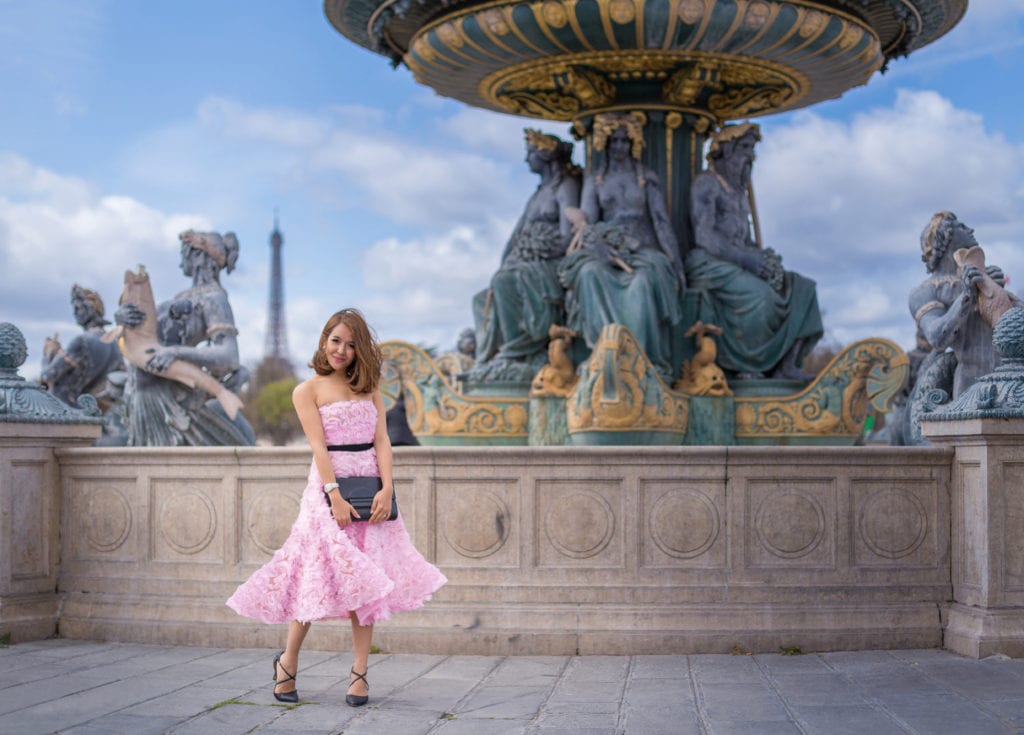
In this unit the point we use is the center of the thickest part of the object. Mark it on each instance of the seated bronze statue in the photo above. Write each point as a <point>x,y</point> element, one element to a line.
<point>525,298</point>
<point>769,316</point>
<point>624,265</point>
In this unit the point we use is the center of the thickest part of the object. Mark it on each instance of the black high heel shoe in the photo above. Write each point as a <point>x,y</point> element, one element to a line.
<point>290,697</point>
<point>357,700</point>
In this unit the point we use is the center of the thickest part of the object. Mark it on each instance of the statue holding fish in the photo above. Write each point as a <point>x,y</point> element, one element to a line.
<point>955,309</point>
<point>182,354</point>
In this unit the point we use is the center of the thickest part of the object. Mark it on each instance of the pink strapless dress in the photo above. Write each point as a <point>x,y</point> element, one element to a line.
<point>322,571</point>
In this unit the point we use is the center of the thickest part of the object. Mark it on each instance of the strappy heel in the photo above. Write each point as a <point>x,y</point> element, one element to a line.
<point>357,700</point>
<point>290,697</point>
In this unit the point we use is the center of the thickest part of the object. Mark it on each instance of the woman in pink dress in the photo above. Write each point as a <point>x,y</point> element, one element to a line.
<point>335,564</point>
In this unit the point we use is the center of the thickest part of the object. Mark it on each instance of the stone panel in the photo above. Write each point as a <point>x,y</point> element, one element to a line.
<point>579,523</point>
<point>30,516</point>
<point>683,524</point>
<point>971,509</point>
<point>476,522</point>
<point>791,523</point>
<point>269,508</point>
<point>894,523</point>
<point>185,520</point>
<point>1013,542</point>
<point>102,521</point>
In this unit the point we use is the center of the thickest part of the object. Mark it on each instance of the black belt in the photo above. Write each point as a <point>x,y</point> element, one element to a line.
<point>349,447</point>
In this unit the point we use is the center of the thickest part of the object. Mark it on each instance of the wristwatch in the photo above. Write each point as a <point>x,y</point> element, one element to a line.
<point>328,486</point>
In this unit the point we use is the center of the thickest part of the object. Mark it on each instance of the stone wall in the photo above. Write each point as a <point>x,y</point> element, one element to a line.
<point>30,510</point>
<point>548,550</point>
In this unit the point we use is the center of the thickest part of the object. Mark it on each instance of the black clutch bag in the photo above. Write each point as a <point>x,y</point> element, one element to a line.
<point>359,491</point>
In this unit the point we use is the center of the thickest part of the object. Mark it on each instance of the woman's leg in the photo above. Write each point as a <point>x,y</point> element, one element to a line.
<point>362,636</point>
<point>290,658</point>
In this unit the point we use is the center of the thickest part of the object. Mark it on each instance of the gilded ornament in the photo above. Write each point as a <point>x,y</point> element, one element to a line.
<point>558,377</point>
<point>673,120</point>
<point>701,376</point>
<point>607,122</point>
<point>590,87</point>
<point>867,374</point>
<point>813,23</point>
<point>494,19</point>
<point>435,410</point>
<point>619,390</point>
<point>422,48</point>
<point>687,85</point>
<point>552,105</point>
<point>450,35</point>
<point>757,15</point>
<point>554,14</point>
<point>851,36</point>
<point>541,141</point>
<point>622,11</point>
<point>541,89</point>
<point>691,11</point>
<point>747,101</point>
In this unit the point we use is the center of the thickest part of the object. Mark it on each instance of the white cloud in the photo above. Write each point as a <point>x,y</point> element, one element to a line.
<point>422,290</point>
<point>56,231</point>
<point>845,202</point>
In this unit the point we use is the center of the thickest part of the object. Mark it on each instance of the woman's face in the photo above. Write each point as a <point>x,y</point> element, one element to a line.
<point>340,348</point>
<point>619,145</point>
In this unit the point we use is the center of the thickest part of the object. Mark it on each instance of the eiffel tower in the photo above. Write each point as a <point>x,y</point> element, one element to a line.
<point>275,351</point>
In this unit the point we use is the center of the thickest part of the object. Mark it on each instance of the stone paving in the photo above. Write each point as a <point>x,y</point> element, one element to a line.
<point>89,688</point>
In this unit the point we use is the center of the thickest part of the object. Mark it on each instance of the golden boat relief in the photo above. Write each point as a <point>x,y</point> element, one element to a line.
<point>865,375</point>
<point>621,399</point>
<point>439,414</point>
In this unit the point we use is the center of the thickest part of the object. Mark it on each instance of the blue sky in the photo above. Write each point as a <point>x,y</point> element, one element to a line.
<point>126,122</point>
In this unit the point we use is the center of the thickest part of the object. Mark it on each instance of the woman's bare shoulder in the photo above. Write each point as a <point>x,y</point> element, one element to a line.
<point>307,389</point>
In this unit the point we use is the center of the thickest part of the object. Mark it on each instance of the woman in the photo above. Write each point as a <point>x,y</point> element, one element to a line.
<point>626,268</point>
<point>525,298</point>
<point>197,326</point>
<point>336,564</point>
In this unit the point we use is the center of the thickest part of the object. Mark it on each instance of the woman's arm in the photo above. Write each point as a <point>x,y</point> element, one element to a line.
<point>381,508</point>
<point>304,400</point>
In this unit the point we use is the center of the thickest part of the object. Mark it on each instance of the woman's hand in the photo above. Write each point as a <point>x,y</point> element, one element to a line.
<point>381,508</point>
<point>342,511</point>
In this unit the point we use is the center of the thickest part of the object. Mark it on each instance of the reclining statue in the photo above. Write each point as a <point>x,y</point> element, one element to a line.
<point>82,367</point>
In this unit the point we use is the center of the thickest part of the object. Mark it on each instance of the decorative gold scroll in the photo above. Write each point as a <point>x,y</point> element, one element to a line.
<point>866,374</point>
<point>434,409</point>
